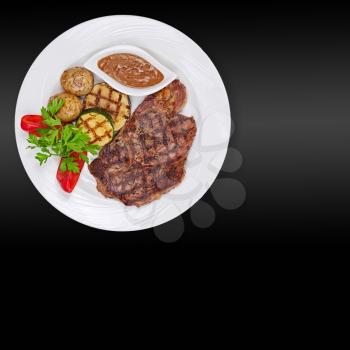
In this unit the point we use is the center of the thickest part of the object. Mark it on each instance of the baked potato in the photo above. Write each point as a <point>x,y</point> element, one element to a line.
<point>71,108</point>
<point>77,81</point>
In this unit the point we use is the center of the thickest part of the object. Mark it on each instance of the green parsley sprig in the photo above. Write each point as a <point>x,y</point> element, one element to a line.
<point>60,140</point>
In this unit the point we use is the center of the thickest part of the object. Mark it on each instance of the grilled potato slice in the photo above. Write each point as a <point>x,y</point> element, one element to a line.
<point>98,125</point>
<point>114,102</point>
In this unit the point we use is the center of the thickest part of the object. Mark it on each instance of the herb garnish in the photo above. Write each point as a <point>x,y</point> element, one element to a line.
<point>60,140</point>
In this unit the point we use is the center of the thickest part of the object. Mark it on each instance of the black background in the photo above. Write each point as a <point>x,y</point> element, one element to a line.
<point>287,74</point>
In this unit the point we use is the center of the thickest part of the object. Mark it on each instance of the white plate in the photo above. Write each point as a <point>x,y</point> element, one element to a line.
<point>207,102</point>
<point>92,64</point>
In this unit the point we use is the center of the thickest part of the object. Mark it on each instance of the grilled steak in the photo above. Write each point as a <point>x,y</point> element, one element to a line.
<point>147,158</point>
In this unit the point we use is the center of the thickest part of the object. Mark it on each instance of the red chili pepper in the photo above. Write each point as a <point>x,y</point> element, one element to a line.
<point>68,179</point>
<point>31,123</point>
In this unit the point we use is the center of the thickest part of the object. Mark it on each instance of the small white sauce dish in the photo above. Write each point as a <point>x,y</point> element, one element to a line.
<point>92,65</point>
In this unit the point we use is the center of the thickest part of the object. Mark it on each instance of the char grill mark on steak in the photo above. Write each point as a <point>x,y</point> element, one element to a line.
<point>147,158</point>
<point>141,185</point>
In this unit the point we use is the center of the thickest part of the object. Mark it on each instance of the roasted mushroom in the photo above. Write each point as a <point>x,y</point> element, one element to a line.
<point>71,108</point>
<point>77,81</point>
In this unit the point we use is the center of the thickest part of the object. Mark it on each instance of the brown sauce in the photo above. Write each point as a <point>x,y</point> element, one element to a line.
<point>130,70</point>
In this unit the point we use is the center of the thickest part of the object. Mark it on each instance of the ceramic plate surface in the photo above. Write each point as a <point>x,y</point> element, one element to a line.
<point>207,103</point>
